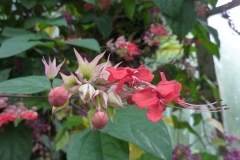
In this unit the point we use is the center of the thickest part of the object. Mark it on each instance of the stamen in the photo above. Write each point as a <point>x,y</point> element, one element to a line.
<point>200,105</point>
<point>218,109</point>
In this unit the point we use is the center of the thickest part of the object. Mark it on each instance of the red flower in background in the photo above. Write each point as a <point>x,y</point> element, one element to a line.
<point>158,30</point>
<point>129,75</point>
<point>29,115</point>
<point>131,48</point>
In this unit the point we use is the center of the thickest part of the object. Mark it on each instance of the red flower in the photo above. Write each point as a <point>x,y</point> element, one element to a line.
<point>129,75</point>
<point>158,30</point>
<point>5,118</point>
<point>132,49</point>
<point>169,90</point>
<point>128,58</point>
<point>157,99</point>
<point>29,115</point>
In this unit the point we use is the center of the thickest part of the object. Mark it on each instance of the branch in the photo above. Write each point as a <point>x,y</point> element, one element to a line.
<point>21,96</point>
<point>78,108</point>
<point>219,9</point>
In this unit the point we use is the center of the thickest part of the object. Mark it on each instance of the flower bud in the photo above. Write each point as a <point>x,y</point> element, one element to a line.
<point>99,120</point>
<point>58,97</point>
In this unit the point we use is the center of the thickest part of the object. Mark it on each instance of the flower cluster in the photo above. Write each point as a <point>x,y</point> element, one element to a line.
<point>101,87</point>
<point>232,153</point>
<point>152,36</point>
<point>39,127</point>
<point>12,113</point>
<point>68,17</point>
<point>3,102</point>
<point>183,152</point>
<point>123,48</point>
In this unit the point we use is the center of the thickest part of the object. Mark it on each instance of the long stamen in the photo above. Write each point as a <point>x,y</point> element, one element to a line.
<point>200,105</point>
<point>218,109</point>
<point>202,109</point>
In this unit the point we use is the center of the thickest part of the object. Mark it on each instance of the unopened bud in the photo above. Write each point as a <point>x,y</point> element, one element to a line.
<point>58,97</point>
<point>99,120</point>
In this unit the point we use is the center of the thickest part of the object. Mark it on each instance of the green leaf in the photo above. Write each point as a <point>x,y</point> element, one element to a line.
<point>197,118</point>
<point>169,7</point>
<point>28,3</point>
<point>111,113</point>
<point>208,156</point>
<point>89,145</point>
<point>147,156</point>
<point>73,121</point>
<point>88,17</point>
<point>27,85</point>
<point>88,43</point>
<point>129,7</point>
<point>203,36</point>
<point>218,142</point>
<point>184,21</point>
<point>211,30</point>
<point>21,43</point>
<point>213,86</point>
<point>10,32</point>
<point>104,25</point>
<point>4,74</point>
<point>131,124</point>
<point>183,124</point>
<point>213,3</point>
<point>93,2</point>
<point>38,102</point>
<point>91,113</point>
<point>47,2</point>
<point>32,21</point>
<point>61,138</point>
<point>16,143</point>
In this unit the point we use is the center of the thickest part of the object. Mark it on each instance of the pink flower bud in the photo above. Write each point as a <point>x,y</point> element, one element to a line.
<point>58,97</point>
<point>99,120</point>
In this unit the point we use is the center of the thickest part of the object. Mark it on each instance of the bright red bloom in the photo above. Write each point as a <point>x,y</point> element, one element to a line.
<point>157,99</point>
<point>89,6</point>
<point>169,90</point>
<point>5,118</point>
<point>158,30</point>
<point>128,58</point>
<point>131,48</point>
<point>29,115</point>
<point>128,75</point>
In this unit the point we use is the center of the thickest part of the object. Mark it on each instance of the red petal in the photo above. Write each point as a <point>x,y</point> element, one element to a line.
<point>169,90</point>
<point>145,98</point>
<point>121,83</point>
<point>116,74</point>
<point>163,76</point>
<point>144,74</point>
<point>154,112</point>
